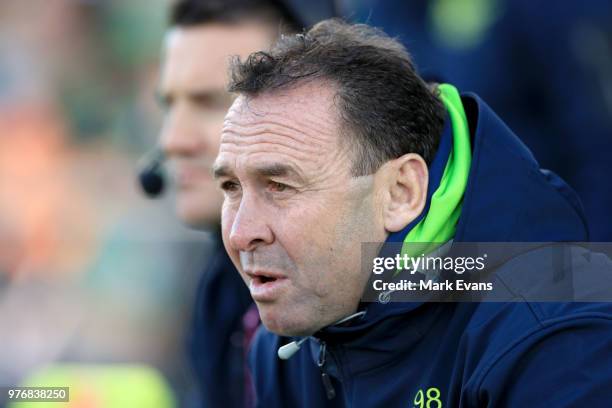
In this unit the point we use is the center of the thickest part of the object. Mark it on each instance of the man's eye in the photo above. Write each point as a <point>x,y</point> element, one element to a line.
<point>229,186</point>
<point>277,187</point>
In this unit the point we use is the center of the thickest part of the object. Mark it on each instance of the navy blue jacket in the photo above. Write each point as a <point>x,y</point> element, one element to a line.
<point>463,354</point>
<point>215,341</point>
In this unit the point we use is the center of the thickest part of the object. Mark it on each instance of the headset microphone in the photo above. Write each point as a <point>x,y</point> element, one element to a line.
<point>288,350</point>
<point>151,175</point>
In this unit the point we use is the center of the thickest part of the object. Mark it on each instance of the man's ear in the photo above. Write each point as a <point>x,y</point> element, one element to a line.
<point>405,182</point>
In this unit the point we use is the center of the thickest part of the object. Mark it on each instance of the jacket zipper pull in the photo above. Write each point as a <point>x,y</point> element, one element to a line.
<point>327,384</point>
<point>329,388</point>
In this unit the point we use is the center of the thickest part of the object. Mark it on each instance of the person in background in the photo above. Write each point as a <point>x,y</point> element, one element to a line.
<point>201,37</point>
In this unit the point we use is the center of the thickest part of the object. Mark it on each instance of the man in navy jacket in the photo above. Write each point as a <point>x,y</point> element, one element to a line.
<point>334,141</point>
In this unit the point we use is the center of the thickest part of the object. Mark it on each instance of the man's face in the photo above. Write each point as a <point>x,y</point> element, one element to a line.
<point>192,89</point>
<point>294,217</point>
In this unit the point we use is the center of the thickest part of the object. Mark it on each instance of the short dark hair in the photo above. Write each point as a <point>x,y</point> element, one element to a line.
<point>187,13</point>
<point>382,102</point>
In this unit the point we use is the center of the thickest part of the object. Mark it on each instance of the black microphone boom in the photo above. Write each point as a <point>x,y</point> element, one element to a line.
<point>151,176</point>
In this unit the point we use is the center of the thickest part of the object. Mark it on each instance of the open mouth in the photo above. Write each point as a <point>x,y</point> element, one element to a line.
<point>266,287</point>
<point>261,277</point>
<point>265,279</point>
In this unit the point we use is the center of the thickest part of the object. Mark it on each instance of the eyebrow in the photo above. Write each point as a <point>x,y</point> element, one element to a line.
<point>221,171</point>
<point>264,170</point>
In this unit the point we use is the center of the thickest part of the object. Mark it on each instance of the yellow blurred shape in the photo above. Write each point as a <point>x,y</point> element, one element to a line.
<point>103,386</point>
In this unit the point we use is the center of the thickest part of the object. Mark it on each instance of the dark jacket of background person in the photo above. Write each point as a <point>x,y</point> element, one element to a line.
<point>216,344</point>
<point>462,354</point>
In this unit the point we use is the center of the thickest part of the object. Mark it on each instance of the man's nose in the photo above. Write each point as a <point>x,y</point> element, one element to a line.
<point>180,135</point>
<point>250,229</point>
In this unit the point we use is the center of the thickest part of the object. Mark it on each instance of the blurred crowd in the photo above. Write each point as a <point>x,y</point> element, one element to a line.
<point>92,272</point>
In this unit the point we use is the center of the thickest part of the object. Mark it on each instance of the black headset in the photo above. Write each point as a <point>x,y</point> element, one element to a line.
<point>151,175</point>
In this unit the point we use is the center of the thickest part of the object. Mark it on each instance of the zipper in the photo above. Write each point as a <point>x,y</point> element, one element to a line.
<point>327,384</point>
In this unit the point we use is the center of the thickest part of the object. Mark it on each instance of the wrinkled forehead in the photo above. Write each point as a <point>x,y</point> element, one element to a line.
<point>300,125</point>
<point>312,102</point>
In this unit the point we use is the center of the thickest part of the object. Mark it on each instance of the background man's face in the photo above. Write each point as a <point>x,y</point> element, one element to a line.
<point>293,216</point>
<point>192,88</point>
